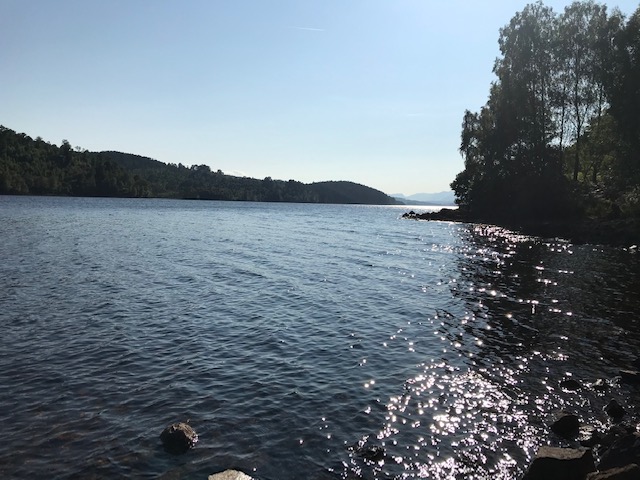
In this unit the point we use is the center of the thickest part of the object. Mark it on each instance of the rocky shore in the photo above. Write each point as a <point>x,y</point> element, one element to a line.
<point>591,454</point>
<point>587,453</point>
<point>572,450</point>
<point>602,231</point>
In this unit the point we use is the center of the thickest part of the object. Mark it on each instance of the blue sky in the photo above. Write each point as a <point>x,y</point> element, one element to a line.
<point>371,91</point>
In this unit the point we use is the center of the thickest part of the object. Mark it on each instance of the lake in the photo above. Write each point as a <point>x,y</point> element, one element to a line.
<point>298,340</point>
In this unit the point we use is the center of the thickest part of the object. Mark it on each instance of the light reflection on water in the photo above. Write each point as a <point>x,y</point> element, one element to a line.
<point>482,409</point>
<point>300,340</point>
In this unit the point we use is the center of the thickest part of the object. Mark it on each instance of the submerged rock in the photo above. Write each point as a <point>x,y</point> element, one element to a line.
<point>368,451</point>
<point>624,451</point>
<point>374,453</point>
<point>554,463</point>
<point>570,384</point>
<point>178,438</point>
<point>230,475</point>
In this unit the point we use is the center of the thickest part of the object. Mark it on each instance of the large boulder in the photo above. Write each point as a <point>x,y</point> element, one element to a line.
<point>614,433</point>
<point>623,451</point>
<point>178,438</point>
<point>554,463</point>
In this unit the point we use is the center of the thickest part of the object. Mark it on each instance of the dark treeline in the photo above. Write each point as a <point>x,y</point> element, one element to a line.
<point>36,167</point>
<point>559,136</point>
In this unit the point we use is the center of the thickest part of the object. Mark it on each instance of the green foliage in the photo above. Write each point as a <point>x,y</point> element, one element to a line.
<point>35,167</point>
<point>556,118</point>
<point>623,92</point>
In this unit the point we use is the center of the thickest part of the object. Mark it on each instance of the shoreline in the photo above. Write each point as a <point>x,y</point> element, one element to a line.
<point>618,232</point>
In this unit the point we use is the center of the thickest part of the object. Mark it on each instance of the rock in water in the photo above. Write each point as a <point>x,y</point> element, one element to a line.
<point>623,451</point>
<point>230,475</point>
<point>553,463</point>
<point>374,453</point>
<point>570,384</point>
<point>178,438</point>
<point>614,410</point>
<point>566,425</point>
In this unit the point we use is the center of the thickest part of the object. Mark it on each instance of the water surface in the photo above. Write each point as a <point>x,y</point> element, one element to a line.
<point>298,340</point>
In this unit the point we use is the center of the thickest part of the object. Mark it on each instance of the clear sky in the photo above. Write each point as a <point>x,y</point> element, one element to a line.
<point>371,91</point>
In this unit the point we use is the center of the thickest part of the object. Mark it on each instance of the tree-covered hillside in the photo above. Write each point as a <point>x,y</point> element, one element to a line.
<point>36,167</point>
<point>559,136</point>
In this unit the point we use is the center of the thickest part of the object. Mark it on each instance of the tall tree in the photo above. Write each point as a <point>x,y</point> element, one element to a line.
<point>508,146</point>
<point>582,28</point>
<point>525,76</point>
<point>623,91</point>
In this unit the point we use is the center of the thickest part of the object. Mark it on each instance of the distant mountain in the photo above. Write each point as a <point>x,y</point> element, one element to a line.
<point>349,192</point>
<point>439,198</point>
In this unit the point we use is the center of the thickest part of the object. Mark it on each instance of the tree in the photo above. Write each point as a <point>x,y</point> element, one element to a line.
<point>582,27</point>
<point>525,75</point>
<point>66,152</point>
<point>623,90</point>
<point>600,148</point>
<point>508,146</point>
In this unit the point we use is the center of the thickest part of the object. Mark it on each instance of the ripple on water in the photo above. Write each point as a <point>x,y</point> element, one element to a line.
<point>299,340</point>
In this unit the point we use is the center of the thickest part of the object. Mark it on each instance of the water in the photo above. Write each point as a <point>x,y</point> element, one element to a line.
<point>298,340</point>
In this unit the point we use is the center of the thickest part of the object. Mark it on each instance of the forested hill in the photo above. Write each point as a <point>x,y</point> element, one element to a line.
<point>36,167</point>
